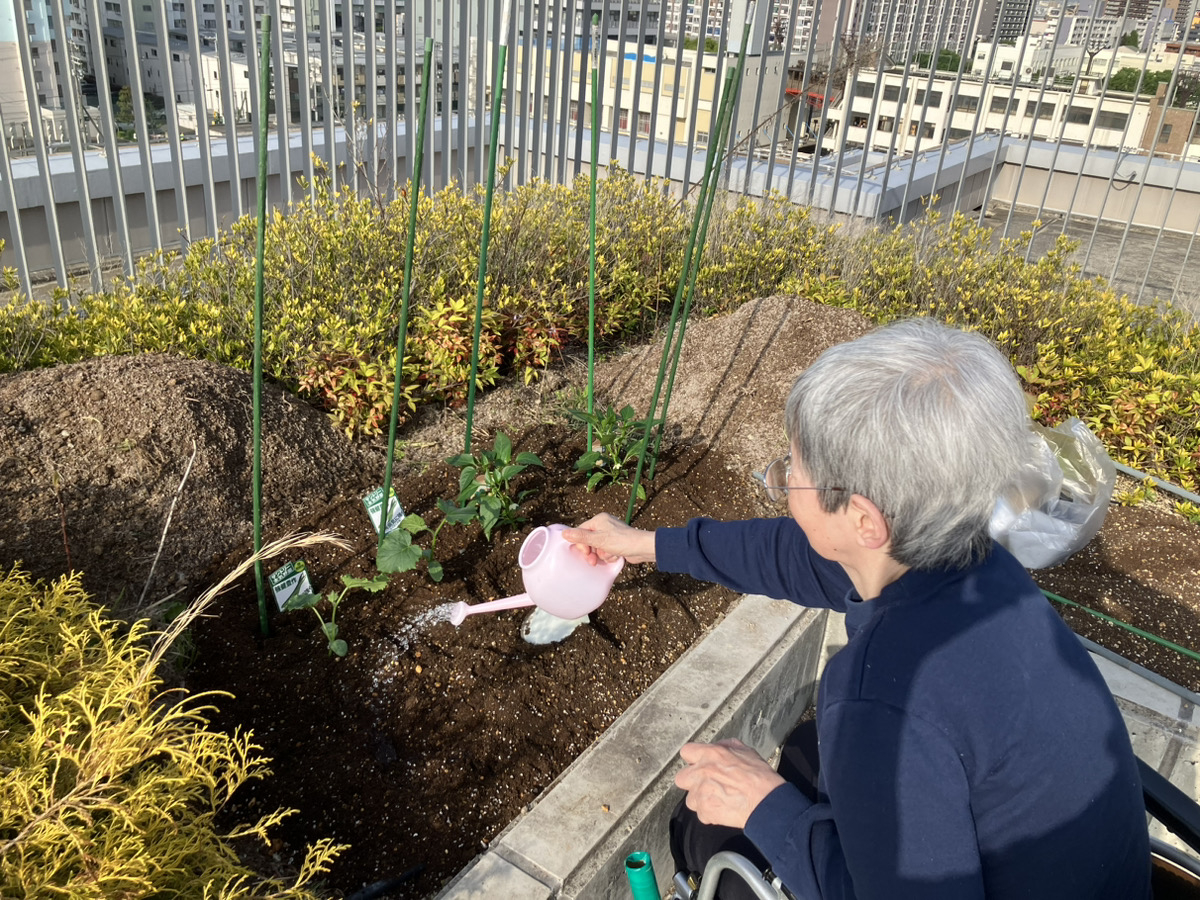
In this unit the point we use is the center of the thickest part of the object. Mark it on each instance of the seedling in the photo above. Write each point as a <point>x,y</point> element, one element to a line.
<point>485,489</point>
<point>337,646</point>
<point>398,553</point>
<point>617,440</point>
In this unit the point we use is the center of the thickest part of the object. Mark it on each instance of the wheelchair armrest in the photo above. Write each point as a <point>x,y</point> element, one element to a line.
<point>1171,806</point>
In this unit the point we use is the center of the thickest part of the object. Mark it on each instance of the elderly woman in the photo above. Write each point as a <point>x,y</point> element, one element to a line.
<point>968,747</point>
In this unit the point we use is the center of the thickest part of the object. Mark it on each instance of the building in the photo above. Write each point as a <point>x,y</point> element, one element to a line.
<point>902,116</point>
<point>1005,21</point>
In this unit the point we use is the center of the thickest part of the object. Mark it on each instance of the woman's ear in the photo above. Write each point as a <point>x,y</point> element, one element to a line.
<point>870,524</point>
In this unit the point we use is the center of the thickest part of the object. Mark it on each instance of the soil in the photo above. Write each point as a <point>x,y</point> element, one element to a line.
<point>425,740</point>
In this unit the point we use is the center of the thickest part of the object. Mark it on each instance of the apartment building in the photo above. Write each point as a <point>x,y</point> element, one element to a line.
<point>885,112</point>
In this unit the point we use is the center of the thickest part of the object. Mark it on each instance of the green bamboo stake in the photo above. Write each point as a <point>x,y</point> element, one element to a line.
<point>591,393</point>
<point>707,186</point>
<point>724,122</point>
<point>501,59</point>
<point>261,240</point>
<point>414,194</point>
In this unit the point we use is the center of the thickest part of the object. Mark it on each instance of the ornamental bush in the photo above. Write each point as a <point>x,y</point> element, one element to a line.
<point>109,786</point>
<point>334,270</point>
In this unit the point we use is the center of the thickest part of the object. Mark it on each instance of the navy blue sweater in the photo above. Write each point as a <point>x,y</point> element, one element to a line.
<point>969,747</point>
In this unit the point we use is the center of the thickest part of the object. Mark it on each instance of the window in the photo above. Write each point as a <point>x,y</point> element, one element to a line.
<point>926,130</point>
<point>1114,120</point>
<point>33,51</point>
<point>935,97</point>
<point>886,123</point>
<point>859,121</point>
<point>1165,135</point>
<point>175,57</point>
<point>864,89</point>
<point>966,102</point>
<point>1079,115</point>
<point>644,123</point>
<point>1043,111</point>
<point>623,120</point>
<point>701,138</point>
<point>1006,67</point>
<point>1004,104</point>
<point>891,92</point>
<point>957,134</point>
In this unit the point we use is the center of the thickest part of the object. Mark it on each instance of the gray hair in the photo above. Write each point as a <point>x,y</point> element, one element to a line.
<point>926,421</point>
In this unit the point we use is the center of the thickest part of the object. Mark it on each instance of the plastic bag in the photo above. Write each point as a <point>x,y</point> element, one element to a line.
<point>1060,499</point>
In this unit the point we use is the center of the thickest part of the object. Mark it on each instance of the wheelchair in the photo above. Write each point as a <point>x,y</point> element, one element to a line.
<point>1175,874</point>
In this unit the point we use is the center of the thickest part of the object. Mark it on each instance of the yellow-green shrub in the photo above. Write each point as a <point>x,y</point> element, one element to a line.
<point>109,787</point>
<point>752,247</point>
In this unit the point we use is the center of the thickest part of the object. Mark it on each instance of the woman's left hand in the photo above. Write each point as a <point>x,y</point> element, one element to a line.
<point>725,781</point>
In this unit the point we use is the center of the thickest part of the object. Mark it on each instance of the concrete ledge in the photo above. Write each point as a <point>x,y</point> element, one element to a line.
<point>751,677</point>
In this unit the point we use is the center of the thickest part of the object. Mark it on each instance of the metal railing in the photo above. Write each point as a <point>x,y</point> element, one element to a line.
<point>867,112</point>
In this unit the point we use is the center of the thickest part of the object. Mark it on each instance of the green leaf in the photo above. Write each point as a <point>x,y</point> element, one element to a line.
<point>375,584</point>
<point>502,447</point>
<point>490,511</point>
<point>330,629</point>
<point>397,553</point>
<point>338,647</point>
<point>595,480</point>
<point>463,459</point>
<point>414,524</point>
<point>588,460</point>
<point>508,473</point>
<point>627,413</point>
<point>526,458</point>
<point>301,601</point>
<point>466,483</point>
<point>641,491</point>
<point>435,570</point>
<point>457,515</point>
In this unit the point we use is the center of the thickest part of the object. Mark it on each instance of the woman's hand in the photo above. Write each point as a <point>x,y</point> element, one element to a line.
<point>725,781</point>
<point>605,538</point>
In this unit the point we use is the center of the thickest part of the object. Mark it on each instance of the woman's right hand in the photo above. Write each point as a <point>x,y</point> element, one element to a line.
<point>606,538</point>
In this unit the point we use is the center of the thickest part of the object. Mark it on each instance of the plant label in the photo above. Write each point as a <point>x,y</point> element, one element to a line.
<point>289,580</point>
<point>374,502</point>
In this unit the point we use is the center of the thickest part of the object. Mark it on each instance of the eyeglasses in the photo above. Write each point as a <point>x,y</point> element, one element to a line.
<point>774,480</point>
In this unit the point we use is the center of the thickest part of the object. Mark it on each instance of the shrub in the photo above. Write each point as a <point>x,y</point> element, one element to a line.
<point>108,787</point>
<point>752,248</point>
<point>334,271</point>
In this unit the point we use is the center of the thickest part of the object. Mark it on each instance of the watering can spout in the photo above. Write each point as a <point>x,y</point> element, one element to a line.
<point>459,611</point>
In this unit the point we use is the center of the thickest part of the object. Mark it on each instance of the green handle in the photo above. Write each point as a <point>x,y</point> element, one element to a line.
<point>640,871</point>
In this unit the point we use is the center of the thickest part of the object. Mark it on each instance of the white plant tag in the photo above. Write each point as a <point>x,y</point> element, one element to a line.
<point>289,580</point>
<point>374,502</point>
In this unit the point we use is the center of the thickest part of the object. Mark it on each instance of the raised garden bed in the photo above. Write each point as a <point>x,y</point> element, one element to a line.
<point>430,738</point>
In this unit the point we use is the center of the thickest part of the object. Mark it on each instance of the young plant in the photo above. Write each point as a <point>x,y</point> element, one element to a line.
<point>617,440</point>
<point>337,646</point>
<point>398,553</point>
<point>485,486</point>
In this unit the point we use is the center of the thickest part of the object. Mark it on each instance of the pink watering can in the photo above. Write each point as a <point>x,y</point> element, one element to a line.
<point>557,579</point>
